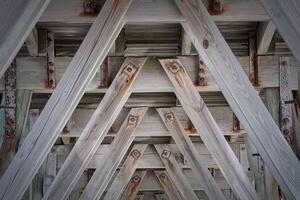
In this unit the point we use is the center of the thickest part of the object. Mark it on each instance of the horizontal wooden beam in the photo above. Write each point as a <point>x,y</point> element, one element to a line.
<point>63,101</point>
<point>17,21</point>
<point>71,11</point>
<point>32,74</point>
<point>242,97</point>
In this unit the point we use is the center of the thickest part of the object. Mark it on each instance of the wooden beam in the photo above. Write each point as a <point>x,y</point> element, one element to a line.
<point>133,186</point>
<point>64,100</point>
<point>207,128</point>
<point>265,33</point>
<point>68,11</point>
<point>175,172</point>
<point>32,43</point>
<point>51,60</point>
<point>97,127</point>
<point>286,103</point>
<point>253,65</point>
<point>10,141</point>
<point>168,185</point>
<point>190,153</point>
<point>285,15</point>
<point>186,43</point>
<point>18,19</point>
<point>119,184</point>
<point>248,107</point>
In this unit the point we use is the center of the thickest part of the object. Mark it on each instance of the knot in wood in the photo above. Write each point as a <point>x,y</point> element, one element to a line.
<point>174,67</point>
<point>135,154</point>
<point>136,179</point>
<point>166,154</point>
<point>132,120</point>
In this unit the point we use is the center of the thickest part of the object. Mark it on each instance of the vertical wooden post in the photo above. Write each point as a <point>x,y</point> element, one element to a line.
<point>9,145</point>
<point>51,60</point>
<point>236,127</point>
<point>253,70</point>
<point>286,102</point>
<point>201,78</point>
<point>186,43</point>
<point>104,74</point>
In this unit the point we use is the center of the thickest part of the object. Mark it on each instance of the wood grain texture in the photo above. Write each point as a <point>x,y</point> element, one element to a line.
<point>285,15</point>
<point>133,186</point>
<point>208,129</point>
<point>190,153</point>
<point>175,172</point>
<point>242,97</point>
<point>122,179</point>
<point>95,130</point>
<point>64,100</point>
<point>18,18</point>
<point>168,185</point>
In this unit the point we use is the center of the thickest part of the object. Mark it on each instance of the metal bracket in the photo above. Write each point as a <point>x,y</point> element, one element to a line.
<point>136,179</point>
<point>132,120</point>
<point>129,69</point>
<point>135,154</point>
<point>174,67</point>
<point>169,117</point>
<point>166,154</point>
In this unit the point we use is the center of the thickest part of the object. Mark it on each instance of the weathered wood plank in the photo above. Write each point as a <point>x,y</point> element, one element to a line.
<point>190,153</point>
<point>285,15</point>
<point>286,98</point>
<point>242,97</point>
<point>209,131</point>
<point>10,139</point>
<point>119,184</point>
<point>18,18</point>
<point>155,11</point>
<point>265,33</point>
<point>32,42</point>
<point>111,160</point>
<point>175,172</point>
<point>51,60</point>
<point>64,100</point>
<point>133,186</point>
<point>95,130</point>
<point>168,185</point>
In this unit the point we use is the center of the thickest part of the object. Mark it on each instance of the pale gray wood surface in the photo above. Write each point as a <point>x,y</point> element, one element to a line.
<point>190,153</point>
<point>175,172</point>
<point>133,186</point>
<point>242,97</point>
<point>208,129</point>
<point>168,185</point>
<point>285,15</point>
<point>155,11</point>
<point>64,100</point>
<point>32,42</point>
<point>96,128</point>
<point>265,33</point>
<point>18,17</point>
<point>122,179</point>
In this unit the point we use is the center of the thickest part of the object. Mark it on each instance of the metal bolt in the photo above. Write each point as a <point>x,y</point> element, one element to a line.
<point>174,67</point>
<point>163,176</point>
<point>169,116</point>
<point>136,179</point>
<point>132,120</point>
<point>135,153</point>
<point>166,154</point>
